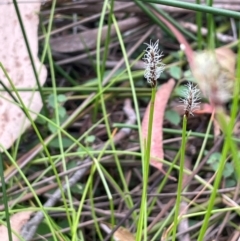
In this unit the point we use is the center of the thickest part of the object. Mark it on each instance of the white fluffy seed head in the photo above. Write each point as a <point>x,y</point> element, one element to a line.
<point>153,65</point>
<point>191,99</point>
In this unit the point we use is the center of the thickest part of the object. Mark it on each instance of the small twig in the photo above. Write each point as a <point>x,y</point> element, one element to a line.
<point>222,37</point>
<point>183,224</point>
<point>30,228</point>
<point>226,218</point>
<point>110,234</point>
<point>234,29</point>
<point>235,236</point>
<point>130,113</point>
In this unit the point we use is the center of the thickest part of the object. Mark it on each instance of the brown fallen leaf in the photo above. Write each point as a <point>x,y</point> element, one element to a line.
<point>17,221</point>
<point>14,57</point>
<point>87,39</point>
<point>162,97</point>
<point>121,234</point>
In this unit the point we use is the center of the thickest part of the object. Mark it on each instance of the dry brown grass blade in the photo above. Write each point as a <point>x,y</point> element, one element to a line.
<point>162,97</point>
<point>15,59</point>
<point>87,39</point>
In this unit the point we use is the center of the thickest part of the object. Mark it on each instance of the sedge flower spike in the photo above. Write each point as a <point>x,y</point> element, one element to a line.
<point>153,65</point>
<point>191,99</point>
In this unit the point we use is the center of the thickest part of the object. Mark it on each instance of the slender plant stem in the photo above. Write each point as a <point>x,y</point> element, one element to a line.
<point>203,147</point>
<point>199,26</point>
<point>211,28</point>
<point>196,7</point>
<point>214,192</point>
<point>5,199</point>
<point>180,178</point>
<point>30,53</point>
<point>235,108</point>
<point>145,170</point>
